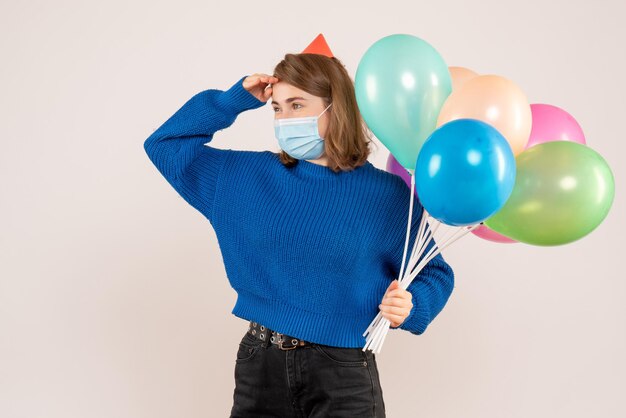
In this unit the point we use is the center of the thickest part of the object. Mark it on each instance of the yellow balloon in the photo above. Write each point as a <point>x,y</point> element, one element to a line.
<point>494,100</point>
<point>460,75</point>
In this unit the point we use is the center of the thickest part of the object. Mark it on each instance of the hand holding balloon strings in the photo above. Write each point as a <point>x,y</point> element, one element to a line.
<point>467,149</point>
<point>379,327</point>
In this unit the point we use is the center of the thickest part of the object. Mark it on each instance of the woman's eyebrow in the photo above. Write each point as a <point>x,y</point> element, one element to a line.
<point>289,100</point>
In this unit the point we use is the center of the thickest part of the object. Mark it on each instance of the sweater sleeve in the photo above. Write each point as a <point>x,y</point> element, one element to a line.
<point>177,147</point>
<point>432,286</point>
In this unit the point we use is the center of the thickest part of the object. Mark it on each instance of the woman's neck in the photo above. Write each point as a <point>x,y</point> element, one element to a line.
<point>320,161</point>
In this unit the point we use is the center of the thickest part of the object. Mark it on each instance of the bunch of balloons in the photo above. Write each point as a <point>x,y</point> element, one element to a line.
<point>477,155</point>
<point>556,189</point>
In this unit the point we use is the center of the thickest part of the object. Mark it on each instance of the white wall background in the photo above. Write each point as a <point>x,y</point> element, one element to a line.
<point>113,297</point>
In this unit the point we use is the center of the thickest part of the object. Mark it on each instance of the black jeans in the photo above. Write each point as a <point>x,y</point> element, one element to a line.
<point>309,381</point>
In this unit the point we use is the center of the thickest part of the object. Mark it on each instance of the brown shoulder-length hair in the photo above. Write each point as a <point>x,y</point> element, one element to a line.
<point>347,137</point>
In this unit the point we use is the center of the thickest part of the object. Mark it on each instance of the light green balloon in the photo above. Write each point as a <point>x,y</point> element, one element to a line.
<point>563,191</point>
<point>401,84</point>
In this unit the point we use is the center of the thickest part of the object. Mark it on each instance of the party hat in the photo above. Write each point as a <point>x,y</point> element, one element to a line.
<point>318,46</point>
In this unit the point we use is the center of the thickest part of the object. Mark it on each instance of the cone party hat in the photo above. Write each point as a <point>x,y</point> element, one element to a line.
<point>318,46</point>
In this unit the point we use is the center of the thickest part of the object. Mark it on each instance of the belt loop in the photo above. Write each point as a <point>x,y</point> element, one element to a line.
<point>268,335</point>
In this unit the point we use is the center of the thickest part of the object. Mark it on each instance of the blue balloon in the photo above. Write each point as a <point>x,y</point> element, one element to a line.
<point>465,172</point>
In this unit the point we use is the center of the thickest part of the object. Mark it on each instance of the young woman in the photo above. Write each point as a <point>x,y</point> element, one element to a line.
<point>311,237</point>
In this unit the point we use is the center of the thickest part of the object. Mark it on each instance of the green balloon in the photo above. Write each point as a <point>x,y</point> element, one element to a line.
<point>401,83</point>
<point>563,191</point>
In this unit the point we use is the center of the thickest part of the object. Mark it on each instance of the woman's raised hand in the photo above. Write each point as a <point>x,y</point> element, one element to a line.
<point>259,85</point>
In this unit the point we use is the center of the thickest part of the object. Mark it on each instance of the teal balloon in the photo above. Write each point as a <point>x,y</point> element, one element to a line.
<point>401,83</point>
<point>563,191</point>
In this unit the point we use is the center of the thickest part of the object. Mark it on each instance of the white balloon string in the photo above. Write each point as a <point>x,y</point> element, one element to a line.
<point>422,234</point>
<point>373,323</point>
<point>378,329</point>
<point>435,250</point>
<point>408,228</point>
<point>428,234</point>
<point>372,339</point>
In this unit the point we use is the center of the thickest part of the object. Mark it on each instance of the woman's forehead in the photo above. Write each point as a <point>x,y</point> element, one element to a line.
<point>282,91</point>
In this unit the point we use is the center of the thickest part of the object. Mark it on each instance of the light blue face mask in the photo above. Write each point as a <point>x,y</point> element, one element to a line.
<point>299,137</point>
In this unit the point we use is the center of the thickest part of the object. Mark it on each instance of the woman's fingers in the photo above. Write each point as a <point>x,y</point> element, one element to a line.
<point>396,315</point>
<point>397,310</point>
<point>398,293</point>
<point>395,320</point>
<point>259,85</point>
<point>402,302</point>
<point>267,77</point>
<point>262,78</point>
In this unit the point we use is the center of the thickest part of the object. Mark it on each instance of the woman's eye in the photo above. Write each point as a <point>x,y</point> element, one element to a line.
<point>294,106</point>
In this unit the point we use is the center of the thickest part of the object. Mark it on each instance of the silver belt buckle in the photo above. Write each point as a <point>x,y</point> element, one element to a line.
<point>281,340</point>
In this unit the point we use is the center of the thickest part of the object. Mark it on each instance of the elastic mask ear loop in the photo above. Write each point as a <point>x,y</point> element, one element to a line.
<point>325,109</point>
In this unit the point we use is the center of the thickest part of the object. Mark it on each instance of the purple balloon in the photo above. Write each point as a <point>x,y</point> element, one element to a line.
<point>551,123</point>
<point>394,167</point>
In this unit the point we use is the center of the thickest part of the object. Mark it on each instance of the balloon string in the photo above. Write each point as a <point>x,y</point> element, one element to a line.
<point>381,324</point>
<point>373,329</point>
<point>378,329</point>
<point>418,245</point>
<point>377,338</point>
<point>424,238</point>
<point>436,249</point>
<point>408,227</point>
<point>375,324</point>
<point>423,242</point>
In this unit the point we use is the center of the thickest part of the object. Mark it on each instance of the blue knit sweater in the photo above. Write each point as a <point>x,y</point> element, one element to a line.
<point>309,252</point>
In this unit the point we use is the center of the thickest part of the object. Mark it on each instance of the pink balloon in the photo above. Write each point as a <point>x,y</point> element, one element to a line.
<point>551,123</point>
<point>394,167</point>
<point>490,235</point>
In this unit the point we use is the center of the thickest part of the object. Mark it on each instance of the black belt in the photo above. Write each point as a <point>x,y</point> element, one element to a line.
<point>284,342</point>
